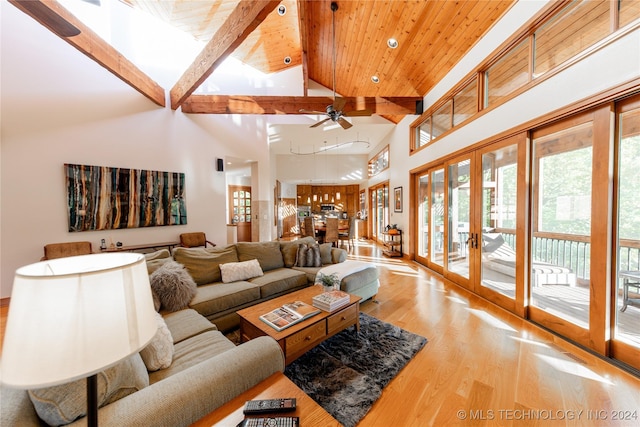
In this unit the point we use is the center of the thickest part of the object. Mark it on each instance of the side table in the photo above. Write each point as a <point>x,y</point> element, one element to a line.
<point>629,279</point>
<point>276,386</point>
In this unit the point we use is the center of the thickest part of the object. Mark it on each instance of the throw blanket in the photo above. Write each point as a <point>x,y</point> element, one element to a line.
<point>343,269</point>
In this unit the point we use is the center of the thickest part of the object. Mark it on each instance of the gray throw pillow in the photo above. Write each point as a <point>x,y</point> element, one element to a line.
<point>308,256</point>
<point>61,404</point>
<point>173,285</point>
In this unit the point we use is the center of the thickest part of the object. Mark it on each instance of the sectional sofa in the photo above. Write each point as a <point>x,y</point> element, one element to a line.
<point>190,368</point>
<point>280,272</point>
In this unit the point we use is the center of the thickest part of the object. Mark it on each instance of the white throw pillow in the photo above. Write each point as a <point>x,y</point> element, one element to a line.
<point>235,271</point>
<point>158,354</point>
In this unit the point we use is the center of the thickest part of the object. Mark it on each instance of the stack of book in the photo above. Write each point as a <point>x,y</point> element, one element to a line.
<point>332,300</point>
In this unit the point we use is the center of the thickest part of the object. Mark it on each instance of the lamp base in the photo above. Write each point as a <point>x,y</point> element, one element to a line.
<point>92,400</point>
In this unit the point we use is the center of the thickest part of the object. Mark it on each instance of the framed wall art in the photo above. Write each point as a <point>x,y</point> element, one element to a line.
<point>105,198</point>
<point>397,199</point>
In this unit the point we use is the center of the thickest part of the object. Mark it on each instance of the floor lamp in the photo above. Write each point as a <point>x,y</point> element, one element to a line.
<point>70,318</point>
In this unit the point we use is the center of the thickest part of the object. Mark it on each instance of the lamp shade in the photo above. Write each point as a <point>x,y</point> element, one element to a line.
<point>73,317</point>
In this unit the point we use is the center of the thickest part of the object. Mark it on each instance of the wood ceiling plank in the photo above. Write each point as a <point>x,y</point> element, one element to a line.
<point>89,43</point>
<point>241,22</point>
<point>225,104</point>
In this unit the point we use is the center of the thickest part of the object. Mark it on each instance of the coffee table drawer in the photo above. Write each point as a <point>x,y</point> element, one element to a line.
<point>305,339</point>
<point>340,320</point>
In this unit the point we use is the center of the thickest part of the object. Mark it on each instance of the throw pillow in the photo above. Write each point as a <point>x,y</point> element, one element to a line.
<point>267,253</point>
<point>325,253</point>
<point>173,285</point>
<point>308,256</point>
<point>64,403</point>
<point>203,264</point>
<point>236,271</point>
<point>158,354</point>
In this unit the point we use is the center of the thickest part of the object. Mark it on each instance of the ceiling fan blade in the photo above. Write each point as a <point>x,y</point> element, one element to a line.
<point>319,123</point>
<point>339,103</point>
<point>312,112</point>
<point>357,113</point>
<point>344,123</point>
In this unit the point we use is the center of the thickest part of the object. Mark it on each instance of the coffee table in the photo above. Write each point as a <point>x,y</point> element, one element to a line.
<point>301,337</point>
<point>274,387</point>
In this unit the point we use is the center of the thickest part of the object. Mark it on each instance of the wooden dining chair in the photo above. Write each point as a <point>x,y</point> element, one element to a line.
<point>331,235</point>
<point>309,227</point>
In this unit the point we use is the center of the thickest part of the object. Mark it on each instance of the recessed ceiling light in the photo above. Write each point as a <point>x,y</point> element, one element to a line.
<point>282,9</point>
<point>392,43</point>
<point>375,79</point>
<point>287,60</point>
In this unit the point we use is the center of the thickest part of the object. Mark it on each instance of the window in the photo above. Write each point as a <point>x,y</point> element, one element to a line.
<point>508,74</point>
<point>379,163</point>
<point>424,133</point>
<point>465,103</point>
<point>442,120</point>
<point>575,28</point>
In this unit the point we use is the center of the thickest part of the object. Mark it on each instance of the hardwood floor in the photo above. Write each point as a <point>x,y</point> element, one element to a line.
<point>482,365</point>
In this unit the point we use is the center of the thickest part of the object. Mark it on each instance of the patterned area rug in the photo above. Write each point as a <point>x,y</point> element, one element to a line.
<point>346,373</point>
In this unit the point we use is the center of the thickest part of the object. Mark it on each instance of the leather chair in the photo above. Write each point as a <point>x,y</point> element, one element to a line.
<point>191,240</point>
<point>62,250</point>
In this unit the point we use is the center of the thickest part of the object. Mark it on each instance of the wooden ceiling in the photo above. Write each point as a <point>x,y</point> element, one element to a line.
<point>432,36</point>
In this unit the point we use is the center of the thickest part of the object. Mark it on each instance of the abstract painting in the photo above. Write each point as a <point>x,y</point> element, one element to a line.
<point>105,198</point>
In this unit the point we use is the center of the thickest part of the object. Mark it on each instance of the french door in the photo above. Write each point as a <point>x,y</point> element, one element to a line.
<point>625,318</point>
<point>379,210</point>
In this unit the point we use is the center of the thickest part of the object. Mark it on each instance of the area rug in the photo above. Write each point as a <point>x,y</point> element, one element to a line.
<point>346,374</point>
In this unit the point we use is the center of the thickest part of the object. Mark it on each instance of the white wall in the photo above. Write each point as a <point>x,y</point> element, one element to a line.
<point>58,106</point>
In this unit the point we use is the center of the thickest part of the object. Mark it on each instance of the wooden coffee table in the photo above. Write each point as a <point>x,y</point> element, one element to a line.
<point>301,337</point>
<point>274,387</point>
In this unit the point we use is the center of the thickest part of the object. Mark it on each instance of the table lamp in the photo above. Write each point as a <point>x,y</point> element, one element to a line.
<point>70,318</point>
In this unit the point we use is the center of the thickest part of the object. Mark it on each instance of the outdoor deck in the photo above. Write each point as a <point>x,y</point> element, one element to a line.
<point>570,303</point>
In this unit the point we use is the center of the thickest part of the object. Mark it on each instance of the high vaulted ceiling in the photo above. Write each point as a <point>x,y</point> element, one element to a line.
<point>432,37</point>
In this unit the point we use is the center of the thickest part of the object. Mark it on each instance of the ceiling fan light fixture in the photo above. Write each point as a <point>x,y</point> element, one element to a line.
<point>392,43</point>
<point>375,79</point>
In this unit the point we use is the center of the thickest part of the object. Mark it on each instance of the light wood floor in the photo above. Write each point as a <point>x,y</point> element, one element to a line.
<point>482,365</point>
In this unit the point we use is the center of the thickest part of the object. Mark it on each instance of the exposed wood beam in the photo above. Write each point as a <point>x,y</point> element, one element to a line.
<point>64,24</point>
<point>225,104</point>
<point>241,22</point>
<point>304,44</point>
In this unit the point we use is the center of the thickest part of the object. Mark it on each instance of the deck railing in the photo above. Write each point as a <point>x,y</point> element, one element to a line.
<point>574,251</point>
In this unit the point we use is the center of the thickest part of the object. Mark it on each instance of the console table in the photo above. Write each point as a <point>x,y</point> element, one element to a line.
<point>629,279</point>
<point>133,248</point>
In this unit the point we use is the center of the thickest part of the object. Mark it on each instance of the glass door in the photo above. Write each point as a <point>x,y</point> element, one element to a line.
<point>625,343</point>
<point>501,229</point>
<point>379,207</point>
<point>436,253</point>
<point>459,216</point>
<point>569,258</point>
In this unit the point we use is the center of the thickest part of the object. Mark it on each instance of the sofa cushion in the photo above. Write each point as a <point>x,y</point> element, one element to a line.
<point>203,264</point>
<point>158,354</point>
<point>310,272</point>
<point>157,259</point>
<point>289,253</point>
<point>243,270</point>
<point>185,324</point>
<point>278,281</point>
<point>193,351</point>
<point>218,297</point>
<point>325,253</point>
<point>267,253</point>
<point>61,404</point>
<point>173,286</point>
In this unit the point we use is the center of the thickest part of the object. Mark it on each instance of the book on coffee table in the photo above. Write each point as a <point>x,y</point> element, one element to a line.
<point>332,300</point>
<point>288,315</point>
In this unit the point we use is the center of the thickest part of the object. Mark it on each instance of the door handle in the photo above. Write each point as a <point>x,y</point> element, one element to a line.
<point>472,241</point>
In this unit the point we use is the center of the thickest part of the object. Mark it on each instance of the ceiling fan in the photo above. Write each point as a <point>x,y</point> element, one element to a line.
<point>334,111</point>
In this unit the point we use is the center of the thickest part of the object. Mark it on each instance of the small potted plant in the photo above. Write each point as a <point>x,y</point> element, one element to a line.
<point>328,281</point>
